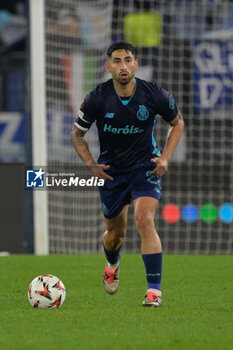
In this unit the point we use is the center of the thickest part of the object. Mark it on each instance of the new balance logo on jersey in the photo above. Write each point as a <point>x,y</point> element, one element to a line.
<point>109,115</point>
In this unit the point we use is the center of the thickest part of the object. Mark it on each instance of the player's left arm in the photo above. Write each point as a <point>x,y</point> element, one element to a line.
<point>174,134</point>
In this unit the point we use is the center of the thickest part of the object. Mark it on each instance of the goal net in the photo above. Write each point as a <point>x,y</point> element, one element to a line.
<point>183,46</point>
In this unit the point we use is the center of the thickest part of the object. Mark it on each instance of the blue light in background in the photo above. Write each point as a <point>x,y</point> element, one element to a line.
<point>226,213</point>
<point>190,213</point>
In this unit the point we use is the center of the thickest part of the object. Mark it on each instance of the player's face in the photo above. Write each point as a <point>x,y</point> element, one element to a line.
<point>122,66</point>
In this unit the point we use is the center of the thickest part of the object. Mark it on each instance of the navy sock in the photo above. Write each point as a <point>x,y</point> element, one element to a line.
<point>153,265</point>
<point>112,256</point>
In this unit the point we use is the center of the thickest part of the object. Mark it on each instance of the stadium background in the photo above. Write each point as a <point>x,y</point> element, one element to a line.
<point>184,46</point>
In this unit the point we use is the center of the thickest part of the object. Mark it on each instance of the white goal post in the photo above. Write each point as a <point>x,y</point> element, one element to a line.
<point>39,134</point>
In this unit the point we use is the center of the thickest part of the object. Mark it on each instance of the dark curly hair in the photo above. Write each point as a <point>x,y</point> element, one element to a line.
<point>120,45</point>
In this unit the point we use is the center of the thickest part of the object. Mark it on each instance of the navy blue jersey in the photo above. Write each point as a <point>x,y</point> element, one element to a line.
<point>126,128</point>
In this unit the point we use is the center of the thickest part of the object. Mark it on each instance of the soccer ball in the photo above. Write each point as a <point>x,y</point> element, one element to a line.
<point>46,292</point>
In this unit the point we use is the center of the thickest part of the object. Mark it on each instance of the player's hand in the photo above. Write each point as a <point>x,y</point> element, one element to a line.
<point>97,170</point>
<point>161,166</point>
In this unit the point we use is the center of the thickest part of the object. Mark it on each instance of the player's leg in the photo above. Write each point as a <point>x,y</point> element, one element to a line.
<point>112,243</point>
<point>144,213</point>
<point>116,230</point>
<point>151,248</point>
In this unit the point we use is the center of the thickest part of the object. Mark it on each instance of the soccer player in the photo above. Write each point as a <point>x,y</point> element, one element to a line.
<point>124,109</point>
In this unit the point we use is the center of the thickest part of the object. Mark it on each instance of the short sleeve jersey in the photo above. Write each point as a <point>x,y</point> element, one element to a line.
<point>126,130</point>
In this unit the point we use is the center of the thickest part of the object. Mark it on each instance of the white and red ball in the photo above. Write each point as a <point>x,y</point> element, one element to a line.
<point>46,292</point>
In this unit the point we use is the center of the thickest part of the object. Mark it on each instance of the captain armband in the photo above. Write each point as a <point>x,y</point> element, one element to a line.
<point>81,123</point>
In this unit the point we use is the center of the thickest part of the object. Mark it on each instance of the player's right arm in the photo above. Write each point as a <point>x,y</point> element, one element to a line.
<point>82,149</point>
<point>87,114</point>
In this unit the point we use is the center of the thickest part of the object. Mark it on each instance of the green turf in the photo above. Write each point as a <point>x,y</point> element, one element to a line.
<point>197,310</point>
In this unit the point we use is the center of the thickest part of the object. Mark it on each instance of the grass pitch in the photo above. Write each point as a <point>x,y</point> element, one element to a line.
<point>197,310</point>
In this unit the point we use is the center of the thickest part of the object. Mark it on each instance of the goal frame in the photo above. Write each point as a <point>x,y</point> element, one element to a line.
<point>38,116</point>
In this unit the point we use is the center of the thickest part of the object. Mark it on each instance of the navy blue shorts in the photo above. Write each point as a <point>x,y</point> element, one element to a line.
<point>127,187</point>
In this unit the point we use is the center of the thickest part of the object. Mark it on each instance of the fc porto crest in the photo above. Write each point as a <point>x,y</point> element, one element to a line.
<point>142,113</point>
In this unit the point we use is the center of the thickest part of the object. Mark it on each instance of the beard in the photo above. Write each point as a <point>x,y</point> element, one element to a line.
<point>125,81</point>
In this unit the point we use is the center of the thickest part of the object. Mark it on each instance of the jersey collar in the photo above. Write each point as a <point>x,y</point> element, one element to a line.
<point>122,101</point>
